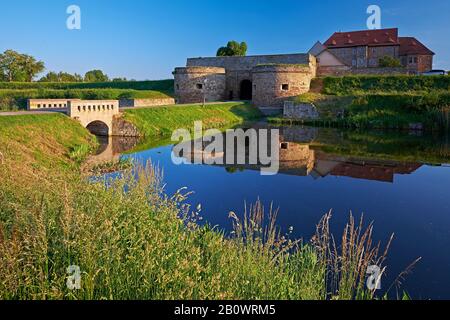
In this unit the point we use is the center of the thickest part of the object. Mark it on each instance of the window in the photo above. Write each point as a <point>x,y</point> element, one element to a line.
<point>39,106</point>
<point>284,145</point>
<point>79,108</point>
<point>285,87</point>
<point>199,86</point>
<point>410,60</point>
<point>415,59</point>
<point>60,105</point>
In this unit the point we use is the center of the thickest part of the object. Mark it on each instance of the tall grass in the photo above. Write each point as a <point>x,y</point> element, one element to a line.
<point>131,241</point>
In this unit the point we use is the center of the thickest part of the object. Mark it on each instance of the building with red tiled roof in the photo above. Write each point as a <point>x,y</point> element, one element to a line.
<point>364,49</point>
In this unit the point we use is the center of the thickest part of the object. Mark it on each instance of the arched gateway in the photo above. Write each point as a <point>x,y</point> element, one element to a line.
<point>246,90</point>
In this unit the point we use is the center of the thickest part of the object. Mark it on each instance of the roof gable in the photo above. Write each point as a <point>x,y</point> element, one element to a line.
<point>410,45</point>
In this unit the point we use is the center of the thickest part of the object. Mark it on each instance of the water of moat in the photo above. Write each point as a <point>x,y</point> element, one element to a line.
<point>400,181</point>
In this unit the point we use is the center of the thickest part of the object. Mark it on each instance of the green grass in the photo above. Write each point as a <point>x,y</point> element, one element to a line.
<point>162,121</point>
<point>349,85</point>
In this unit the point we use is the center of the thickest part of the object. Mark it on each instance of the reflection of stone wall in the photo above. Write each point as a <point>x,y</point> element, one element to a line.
<point>296,156</point>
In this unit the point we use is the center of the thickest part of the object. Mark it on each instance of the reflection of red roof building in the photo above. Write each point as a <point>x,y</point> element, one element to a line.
<point>373,172</point>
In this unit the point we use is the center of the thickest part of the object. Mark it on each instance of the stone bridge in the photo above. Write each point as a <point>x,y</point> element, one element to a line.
<point>96,115</point>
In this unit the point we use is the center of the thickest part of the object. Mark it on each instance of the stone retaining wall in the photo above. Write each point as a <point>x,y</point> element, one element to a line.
<point>133,103</point>
<point>123,128</point>
<point>306,111</point>
<point>345,70</point>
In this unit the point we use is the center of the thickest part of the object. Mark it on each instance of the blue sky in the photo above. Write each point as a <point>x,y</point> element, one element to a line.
<point>146,39</point>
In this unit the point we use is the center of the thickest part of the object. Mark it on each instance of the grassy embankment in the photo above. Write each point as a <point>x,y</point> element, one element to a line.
<point>13,95</point>
<point>141,244</point>
<point>387,102</point>
<point>162,121</point>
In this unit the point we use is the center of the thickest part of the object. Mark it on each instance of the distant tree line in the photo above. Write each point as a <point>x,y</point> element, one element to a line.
<point>18,67</point>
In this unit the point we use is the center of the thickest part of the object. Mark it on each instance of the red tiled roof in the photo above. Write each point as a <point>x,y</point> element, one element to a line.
<point>410,45</point>
<point>381,37</point>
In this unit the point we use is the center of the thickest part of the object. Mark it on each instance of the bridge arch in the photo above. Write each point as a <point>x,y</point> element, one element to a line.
<point>99,128</point>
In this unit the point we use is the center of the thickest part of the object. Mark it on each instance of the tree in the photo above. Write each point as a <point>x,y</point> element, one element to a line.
<point>15,66</point>
<point>95,76</point>
<point>389,62</point>
<point>233,48</point>
<point>31,67</point>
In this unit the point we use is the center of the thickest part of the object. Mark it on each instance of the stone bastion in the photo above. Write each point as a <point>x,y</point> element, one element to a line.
<point>274,84</point>
<point>197,84</point>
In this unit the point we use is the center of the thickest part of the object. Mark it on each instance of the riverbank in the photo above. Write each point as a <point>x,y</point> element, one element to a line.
<point>378,102</point>
<point>144,244</point>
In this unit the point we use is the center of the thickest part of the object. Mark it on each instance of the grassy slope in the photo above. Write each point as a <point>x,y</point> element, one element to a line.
<point>162,121</point>
<point>35,148</point>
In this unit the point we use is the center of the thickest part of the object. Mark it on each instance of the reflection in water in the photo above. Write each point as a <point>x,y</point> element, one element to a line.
<point>110,149</point>
<point>301,153</point>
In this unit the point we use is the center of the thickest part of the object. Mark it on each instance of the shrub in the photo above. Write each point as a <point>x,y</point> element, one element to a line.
<point>389,62</point>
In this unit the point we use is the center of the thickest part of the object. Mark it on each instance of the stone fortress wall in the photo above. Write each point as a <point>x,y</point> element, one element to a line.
<point>266,80</point>
<point>274,84</point>
<point>197,84</point>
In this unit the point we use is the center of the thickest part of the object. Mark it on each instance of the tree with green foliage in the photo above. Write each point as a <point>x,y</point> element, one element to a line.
<point>233,48</point>
<point>61,77</point>
<point>15,66</point>
<point>95,76</point>
<point>389,62</point>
